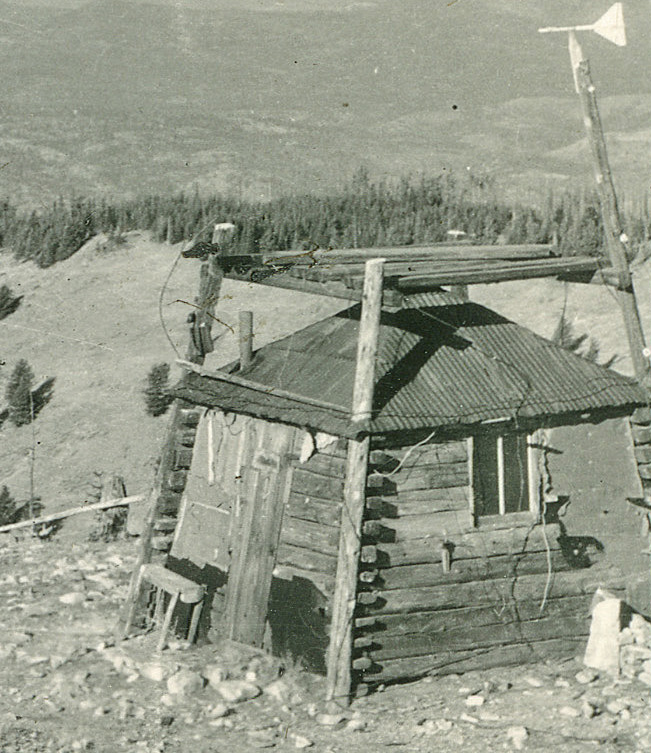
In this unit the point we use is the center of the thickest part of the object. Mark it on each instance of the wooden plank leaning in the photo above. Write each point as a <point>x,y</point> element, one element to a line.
<point>339,655</point>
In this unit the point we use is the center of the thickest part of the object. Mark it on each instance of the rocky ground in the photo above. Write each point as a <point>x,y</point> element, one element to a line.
<point>68,687</point>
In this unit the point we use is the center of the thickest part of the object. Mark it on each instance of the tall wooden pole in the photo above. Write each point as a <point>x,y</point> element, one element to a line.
<point>339,658</point>
<point>615,237</point>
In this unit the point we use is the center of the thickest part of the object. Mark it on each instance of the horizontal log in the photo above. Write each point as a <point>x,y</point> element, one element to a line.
<point>641,434</point>
<point>420,644</point>
<point>642,416</point>
<point>465,571</point>
<point>383,462</point>
<point>105,505</point>
<point>315,510</point>
<point>306,559</point>
<point>314,485</point>
<point>165,525</point>
<point>435,476</point>
<point>309,535</point>
<point>187,438</point>
<point>177,480</point>
<point>498,273</point>
<point>374,530</point>
<point>436,524</point>
<point>477,543</point>
<point>432,251</point>
<point>479,659</point>
<point>362,663</point>
<point>643,453</point>
<point>644,469</point>
<point>162,543</point>
<point>369,555</point>
<point>463,621</point>
<point>325,465</point>
<point>169,503</point>
<point>188,417</point>
<point>496,592</point>
<point>324,583</point>
<point>429,454</point>
<point>401,268</point>
<point>420,503</point>
<point>182,458</point>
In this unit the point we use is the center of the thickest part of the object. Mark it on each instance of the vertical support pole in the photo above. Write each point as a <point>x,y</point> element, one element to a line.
<point>615,237</point>
<point>339,658</point>
<point>246,339</point>
<point>201,319</point>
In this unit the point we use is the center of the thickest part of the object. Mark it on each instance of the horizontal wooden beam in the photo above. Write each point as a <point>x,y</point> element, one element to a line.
<point>332,289</point>
<point>433,251</point>
<point>106,505</point>
<point>222,376</point>
<point>501,273</point>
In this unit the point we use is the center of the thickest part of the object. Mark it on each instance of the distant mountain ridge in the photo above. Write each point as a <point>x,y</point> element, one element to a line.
<point>263,98</point>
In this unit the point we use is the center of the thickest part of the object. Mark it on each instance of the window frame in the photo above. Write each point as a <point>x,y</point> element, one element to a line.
<point>533,479</point>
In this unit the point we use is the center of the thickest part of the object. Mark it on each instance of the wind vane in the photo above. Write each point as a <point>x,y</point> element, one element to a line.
<point>610,26</point>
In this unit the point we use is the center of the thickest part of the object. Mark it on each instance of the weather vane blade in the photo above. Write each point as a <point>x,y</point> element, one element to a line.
<point>610,26</point>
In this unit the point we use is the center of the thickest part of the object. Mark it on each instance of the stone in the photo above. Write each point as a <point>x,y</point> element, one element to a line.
<point>534,682</point>
<point>74,598</point>
<point>155,671</point>
<point>475,700</point>
<point>569,711</point>
<point>616,706</point>
<point>602,651</point>
<point>330,720</point>
<point>644,677</point>
<point>588,709</point>
<point>586,676</point>
<point>641,629</point>
<point>356,725</point>
<point>302,742</point>
<point>185,682</point>
<point>517,736</point>
<point>279,690</point>
<point>166,720</point>
<point>561,682</point>
<point>218,711</point>
<point>234,691</point>
<point>214,674</point>
<point>626,637</point>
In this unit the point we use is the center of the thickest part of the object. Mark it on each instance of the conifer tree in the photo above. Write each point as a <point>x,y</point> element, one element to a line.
<point>157,401</point>
<point>19,394</point>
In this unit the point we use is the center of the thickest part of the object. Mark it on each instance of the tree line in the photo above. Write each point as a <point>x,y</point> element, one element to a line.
<point>363,213</point>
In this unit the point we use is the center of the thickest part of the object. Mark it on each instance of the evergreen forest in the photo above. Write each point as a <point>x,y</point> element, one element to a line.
<point>363,213</point>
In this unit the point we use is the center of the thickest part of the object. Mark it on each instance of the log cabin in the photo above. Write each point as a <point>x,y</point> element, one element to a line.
<point>459,559</point>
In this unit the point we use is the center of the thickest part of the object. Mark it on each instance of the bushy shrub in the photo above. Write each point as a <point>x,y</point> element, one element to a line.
<point>157,401</point>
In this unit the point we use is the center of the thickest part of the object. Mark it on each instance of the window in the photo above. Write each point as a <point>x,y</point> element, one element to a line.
<point>503,474</point>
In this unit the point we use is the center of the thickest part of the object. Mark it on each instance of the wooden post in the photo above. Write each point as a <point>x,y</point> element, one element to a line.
<point>246,339</point>
<point>615,237</point>
<point>201,319</point>
<point>339,658</point>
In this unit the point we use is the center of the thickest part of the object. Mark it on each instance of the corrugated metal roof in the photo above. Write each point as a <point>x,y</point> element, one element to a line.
<point>438,366</point>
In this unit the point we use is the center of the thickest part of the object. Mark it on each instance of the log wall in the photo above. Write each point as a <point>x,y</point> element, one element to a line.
<point>439,594</point>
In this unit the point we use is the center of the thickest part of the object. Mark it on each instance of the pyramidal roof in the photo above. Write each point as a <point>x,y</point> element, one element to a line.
<point>437,366</point>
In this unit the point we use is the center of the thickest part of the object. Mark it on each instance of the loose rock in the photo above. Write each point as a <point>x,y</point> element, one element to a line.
<point>185,682</point>
<point>518,736</point>
<point>235,691</point>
